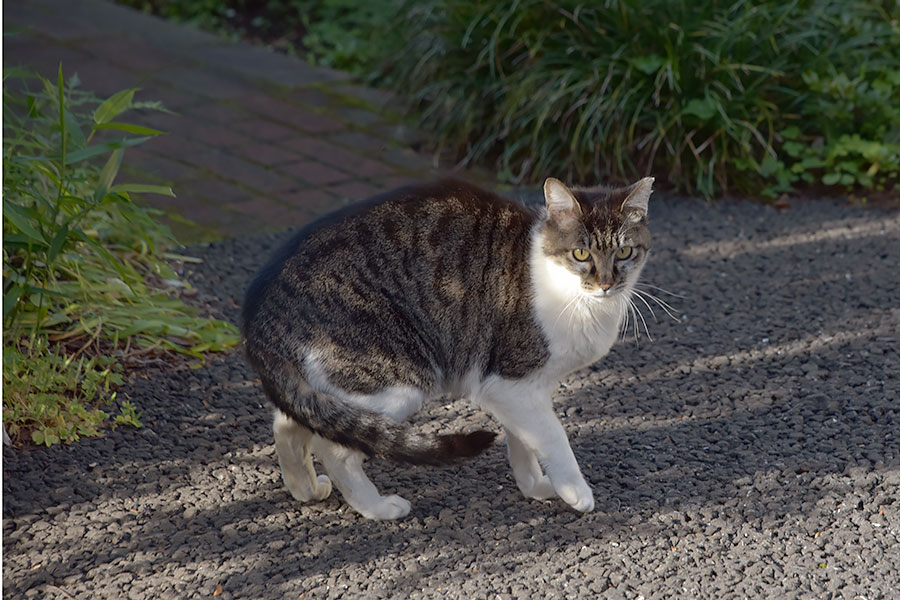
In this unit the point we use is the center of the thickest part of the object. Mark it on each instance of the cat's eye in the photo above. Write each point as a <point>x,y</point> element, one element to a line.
<point>581,254</point>
<point>624,252</point>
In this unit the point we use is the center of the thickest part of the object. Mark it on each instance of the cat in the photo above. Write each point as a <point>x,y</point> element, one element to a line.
<point>443,288</point>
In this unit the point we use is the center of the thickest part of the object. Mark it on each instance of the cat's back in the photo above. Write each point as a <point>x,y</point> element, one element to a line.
<point>428,219</point>
<point>442,229</point>
<point>435,275</point>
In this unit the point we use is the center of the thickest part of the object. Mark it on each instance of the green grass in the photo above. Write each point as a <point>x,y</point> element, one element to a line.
<point>705,94</point>
<point>754,96</point>
<point>87,287</point>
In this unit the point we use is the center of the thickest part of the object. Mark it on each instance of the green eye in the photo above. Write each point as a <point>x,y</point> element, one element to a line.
<point>581,254</point>
<point>624,252</point>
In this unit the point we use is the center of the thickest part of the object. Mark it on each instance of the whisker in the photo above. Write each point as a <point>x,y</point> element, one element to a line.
<point>641,315</point>
<point>564,308</point>
<point>662,303</point>
<point>633,320</point>
<point>650,308</point>
<point>624,331</point>
<point>578,300</point>
<point>668,308</point>
<point>663,290</point>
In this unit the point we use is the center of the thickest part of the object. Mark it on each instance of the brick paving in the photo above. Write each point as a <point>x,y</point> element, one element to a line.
<point>259,142</point>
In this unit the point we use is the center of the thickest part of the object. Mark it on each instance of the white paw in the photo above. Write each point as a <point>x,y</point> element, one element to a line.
<point>300,491</point>
<point>578,496</point>
<point>389,507</point>
<point>323,488</point>
<point>537,489</point>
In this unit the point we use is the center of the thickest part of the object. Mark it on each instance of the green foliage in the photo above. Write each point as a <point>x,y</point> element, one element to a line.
<point>56,397</point>
<point>208,14</point>
<point>85,276</point>
<point>342,34</point>
<point>699,91</point>
<point>129,415</point>
<point>348,34</point>
<point>757,96</point>
<point>851,133</point>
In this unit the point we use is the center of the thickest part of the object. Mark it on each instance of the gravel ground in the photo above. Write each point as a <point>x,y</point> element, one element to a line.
<point>750,451</point>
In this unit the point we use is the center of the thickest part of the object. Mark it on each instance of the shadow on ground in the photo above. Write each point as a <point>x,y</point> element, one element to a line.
<point>752,442</point>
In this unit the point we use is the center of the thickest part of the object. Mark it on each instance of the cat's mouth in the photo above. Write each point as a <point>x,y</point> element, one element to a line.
<point>603,294</point>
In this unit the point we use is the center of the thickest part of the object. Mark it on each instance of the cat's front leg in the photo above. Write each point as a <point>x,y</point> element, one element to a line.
<point>532,421</point>
<point>529,477</point>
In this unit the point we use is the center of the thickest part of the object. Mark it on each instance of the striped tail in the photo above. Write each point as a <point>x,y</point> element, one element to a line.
<point>363,430</point>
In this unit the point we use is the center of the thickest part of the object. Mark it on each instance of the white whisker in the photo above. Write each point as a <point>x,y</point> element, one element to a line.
<point>568,304</point>
<point>668,308</point>
<point>633,320</point>
<point>650,308</point>
<point>641,315</point>
<point>579,300</point>
<point>663,290</point>
<point>625,320</point>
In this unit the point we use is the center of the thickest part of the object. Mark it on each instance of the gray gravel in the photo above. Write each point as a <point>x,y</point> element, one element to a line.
<point>750,451</point>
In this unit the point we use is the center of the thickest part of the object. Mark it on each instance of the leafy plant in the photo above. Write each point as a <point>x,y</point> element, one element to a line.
<point>699,91</point>
<point>129,415</point>
<point>343,34</point>
<point>757,96</point>
<point>347,34</point>
<point>851,133</point>
<point>54,396</point>
<point>85,275</point>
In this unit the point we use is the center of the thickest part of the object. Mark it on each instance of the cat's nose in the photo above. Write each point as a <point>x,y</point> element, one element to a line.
<point>605,286</point>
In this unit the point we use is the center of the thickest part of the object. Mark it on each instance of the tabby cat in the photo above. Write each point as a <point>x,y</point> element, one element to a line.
<point>440,289</point>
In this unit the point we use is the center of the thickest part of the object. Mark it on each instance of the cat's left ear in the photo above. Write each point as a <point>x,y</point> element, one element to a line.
<point>639,197</point>
<point>561,204</point>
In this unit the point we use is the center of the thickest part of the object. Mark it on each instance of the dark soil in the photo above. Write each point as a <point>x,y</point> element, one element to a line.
<point>750,451</point>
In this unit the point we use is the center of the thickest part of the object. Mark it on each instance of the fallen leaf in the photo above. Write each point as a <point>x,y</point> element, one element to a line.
<point>218,591</point>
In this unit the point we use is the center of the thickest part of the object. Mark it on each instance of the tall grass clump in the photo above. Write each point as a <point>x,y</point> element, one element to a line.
<point>746,95</point>
<point>86,282</point>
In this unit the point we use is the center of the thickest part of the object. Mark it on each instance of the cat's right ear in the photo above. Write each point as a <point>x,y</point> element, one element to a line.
<point>561,204</point>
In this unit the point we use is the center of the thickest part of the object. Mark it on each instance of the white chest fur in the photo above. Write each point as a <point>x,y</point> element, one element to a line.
<point>580,328</point>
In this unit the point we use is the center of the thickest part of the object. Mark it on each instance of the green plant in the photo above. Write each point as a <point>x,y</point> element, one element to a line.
<point>85,278</point>
<point>343,34</point>
<point>129,415</point>
<point>850,135</point>
<point>56,397</point>
<point>347,34</point>
<point>699,91</point>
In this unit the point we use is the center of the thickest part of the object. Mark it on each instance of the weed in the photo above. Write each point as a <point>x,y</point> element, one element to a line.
<point>128,416</point>
<point>84,267</point>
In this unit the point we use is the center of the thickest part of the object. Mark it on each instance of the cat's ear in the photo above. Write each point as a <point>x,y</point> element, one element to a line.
<point>639,197</point>
<point>561,204</point>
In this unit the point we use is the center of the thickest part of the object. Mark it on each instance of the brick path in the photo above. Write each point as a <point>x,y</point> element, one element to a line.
<point>260,141</point>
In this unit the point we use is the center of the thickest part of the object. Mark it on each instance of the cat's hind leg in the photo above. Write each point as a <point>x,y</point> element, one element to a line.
<point>529,477</point>
<point>292,443</point>
<point>345,467</point>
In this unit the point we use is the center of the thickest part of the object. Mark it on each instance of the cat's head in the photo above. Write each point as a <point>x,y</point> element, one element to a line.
<point>597,238</point>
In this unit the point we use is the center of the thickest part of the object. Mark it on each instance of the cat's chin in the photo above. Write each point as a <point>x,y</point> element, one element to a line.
<point>601,295</point>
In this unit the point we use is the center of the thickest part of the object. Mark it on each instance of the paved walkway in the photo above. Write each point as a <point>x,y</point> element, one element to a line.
<point>260,141</point>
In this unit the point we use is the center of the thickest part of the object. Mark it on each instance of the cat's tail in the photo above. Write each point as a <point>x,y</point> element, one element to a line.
<point>367,431</point>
